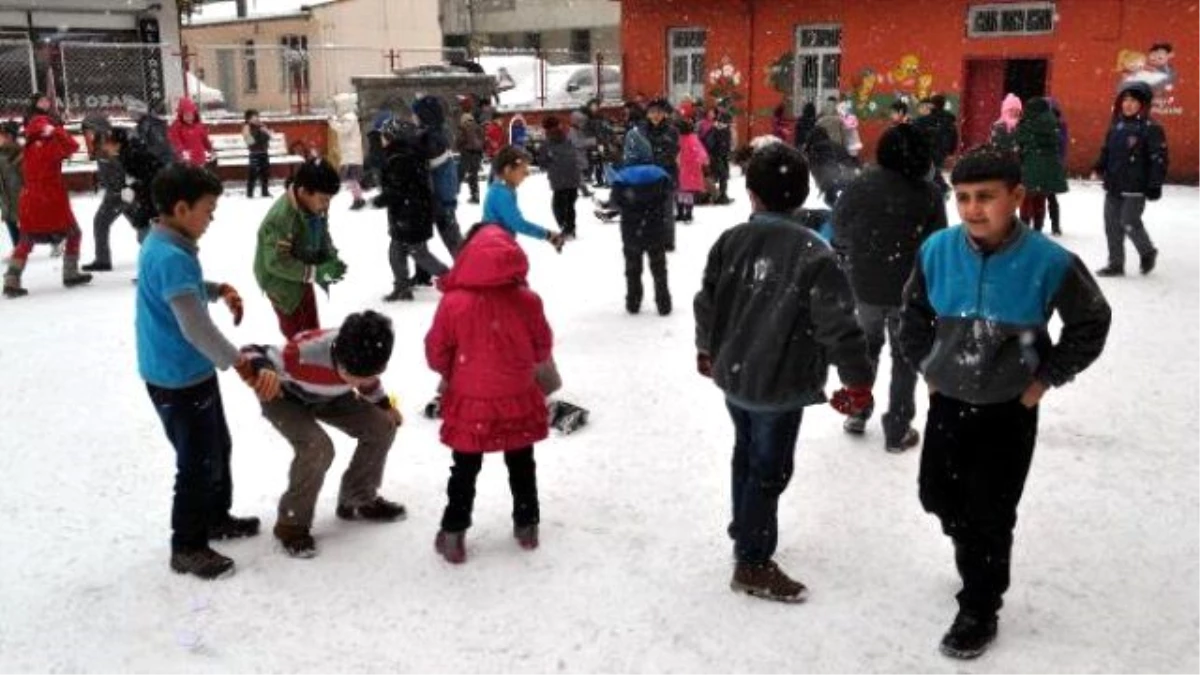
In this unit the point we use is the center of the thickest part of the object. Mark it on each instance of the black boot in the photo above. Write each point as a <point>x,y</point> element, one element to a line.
<point>97,266</point>
<point>1111,270</point>
<point>421,278</point>
<point>969,636</point>
<point>358,204</point>
<point>379,510</point>
<point>399,293</point>
<point>232,527</point>
<point>203,562</point>
<point>1148,262</point>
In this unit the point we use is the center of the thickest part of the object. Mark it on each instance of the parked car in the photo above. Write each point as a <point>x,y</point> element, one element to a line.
<point>579,85</point>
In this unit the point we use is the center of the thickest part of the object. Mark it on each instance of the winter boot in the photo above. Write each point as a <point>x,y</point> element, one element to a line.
<point>856,425</point>
<point>767,581</point>
<point>1148,261</point>
<point>399,293</point>
<point>296,541</point>
<point>633,305</point>
<point>687,213</point>
<point>909,440</point>
<point>679,212</point>
<point>433,409</point>
<point>452,546</point>
<point>12,280</point>
<point>379,510</point>
<point>1111,270</point>
<point>202,562</point>
<point>97,266</point>
<point>71,274</point>
<point>358,204</point>
<point>969,636</point>
<point>526,536</point>
<point>663,302</point>
<point>232,527</point>
<point>421,278</point>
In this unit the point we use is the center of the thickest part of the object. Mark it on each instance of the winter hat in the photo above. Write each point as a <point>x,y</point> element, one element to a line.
<point>1010,111</point>
<point>905,149</point>
<point>637,148</point>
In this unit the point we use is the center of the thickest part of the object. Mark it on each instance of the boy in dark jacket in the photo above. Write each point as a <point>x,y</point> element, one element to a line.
<point>258,142</point>
<point>1133,163</point>
<point>942,128</point>
<point>638,192</point>
<point>408,195</point>
<point>974,322</point>
<point>10,176</point>
<point>561,160</point>
<point>443,169</point>
<point>879,223</point>
<point>132,167</point>
<point>153,131</point>
<point>718,142</point>
<point>774,308</point>
<point>469,145</point>
<point>664,143</point>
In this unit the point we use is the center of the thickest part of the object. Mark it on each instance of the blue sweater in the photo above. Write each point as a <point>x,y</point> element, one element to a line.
<point>500,207</point>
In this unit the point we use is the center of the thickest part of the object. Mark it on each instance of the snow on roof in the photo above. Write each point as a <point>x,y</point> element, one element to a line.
<point>226,12</point>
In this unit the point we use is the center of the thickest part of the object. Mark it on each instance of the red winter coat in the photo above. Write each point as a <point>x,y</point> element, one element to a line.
<point>44,207</point>
<point>692,158</point>
<point>493,139</point>
<point>487,338</point>
<point>190,141</point>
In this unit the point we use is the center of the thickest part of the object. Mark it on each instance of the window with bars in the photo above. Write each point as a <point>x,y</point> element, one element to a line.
<point>818,64</point>
<point>685,53</point>
<point>1009,19</point>
<point>293,57</point>
<point>250,61</point>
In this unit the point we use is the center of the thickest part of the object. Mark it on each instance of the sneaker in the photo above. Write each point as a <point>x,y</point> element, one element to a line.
<point>398,294</point>
<point>421,278</point>
<point>15,292</point>
<point>767,581</point>
<point>663,304</point>
<point>526,536</point>
<point>910,440</point>
<point>452,546</point>
<point>1148,262</point>
<point>379,510</point>
<point>1110,271</point>
<point>473,200</point>
<point>855,425</point>
<point>633,306</point>
<point>203,562</point>
<point>969,636</point>
<point>232,527</point>
<point>358,204</point>
<point>77,280</point>
<point>97,266</point>
<point>296,541</point>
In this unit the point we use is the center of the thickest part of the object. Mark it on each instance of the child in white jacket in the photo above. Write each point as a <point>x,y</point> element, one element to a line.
<point>350,145</point>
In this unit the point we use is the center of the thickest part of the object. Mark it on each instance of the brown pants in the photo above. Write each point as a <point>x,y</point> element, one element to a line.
<point>356,418</point>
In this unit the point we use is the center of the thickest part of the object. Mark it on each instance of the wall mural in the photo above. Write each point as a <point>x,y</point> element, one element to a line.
<point>724,86</point>
<point>1154,68</point>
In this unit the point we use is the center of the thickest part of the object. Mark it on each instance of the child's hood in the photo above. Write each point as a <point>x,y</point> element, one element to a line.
<point>490,259</point>
<point>37,126</point>
<point>187,105</point>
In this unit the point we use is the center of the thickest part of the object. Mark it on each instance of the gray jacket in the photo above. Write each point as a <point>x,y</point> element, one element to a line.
<point>561,162</point>
<point>773,311</point>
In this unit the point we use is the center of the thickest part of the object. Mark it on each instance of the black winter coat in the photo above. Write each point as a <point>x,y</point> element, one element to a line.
<point>140,166</point>
<point>879,224</point>
<point>560,159</point>
<point>407,191</point>
<point>664,142</point>
<point>718,142</point>
<point>1134,156</point>
<point>643,219</point>
<point>942,129</point>
<point>153,132</point>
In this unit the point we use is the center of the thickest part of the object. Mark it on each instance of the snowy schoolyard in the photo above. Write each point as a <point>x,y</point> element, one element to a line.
<point>634,567</point>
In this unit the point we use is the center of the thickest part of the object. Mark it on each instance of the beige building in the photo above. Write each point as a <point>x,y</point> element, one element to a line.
<point>569,30</point>
<point>297,61</point>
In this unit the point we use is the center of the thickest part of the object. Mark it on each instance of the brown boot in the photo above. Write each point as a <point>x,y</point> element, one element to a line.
<point>767,581</point>
<point>295,540</point>
<point>71,274</point>
<point>12,280</point>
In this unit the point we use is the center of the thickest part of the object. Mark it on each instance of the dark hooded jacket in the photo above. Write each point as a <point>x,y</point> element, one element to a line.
<point>435,142</point>
<point>140,166</point>
<point>805,123</point>
<point>1134,157</point>
<point>407,191</point>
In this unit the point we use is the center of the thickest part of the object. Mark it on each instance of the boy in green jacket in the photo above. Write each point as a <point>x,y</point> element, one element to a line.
<point>294,248</point>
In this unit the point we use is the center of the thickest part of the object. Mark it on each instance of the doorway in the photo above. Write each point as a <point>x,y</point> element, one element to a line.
<point>987,83</point>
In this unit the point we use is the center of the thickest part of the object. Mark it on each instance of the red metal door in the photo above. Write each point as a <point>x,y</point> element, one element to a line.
<point>982,95</point>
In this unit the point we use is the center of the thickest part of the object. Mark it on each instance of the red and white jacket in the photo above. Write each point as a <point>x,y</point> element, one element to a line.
<point>306,369</point>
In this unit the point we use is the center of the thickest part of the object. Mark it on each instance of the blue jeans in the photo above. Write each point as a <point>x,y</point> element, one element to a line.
<point>194,420</point>
<point>762,468</point>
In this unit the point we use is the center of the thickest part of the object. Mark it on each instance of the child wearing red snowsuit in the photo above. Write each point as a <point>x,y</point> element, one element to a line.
<point>488,338</point>
<point>189,136</point>
<point>44,210</point>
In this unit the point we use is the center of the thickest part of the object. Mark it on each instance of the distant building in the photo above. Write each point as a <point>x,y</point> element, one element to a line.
<point>571,31</point>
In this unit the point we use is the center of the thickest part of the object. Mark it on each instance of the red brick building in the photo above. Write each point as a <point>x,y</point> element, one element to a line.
<point>767,52</point>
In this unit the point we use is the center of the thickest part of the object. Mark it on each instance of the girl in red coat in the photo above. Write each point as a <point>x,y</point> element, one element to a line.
<point>188,135</point>
<point>489,335</point>
<point>44,210</point>
<point>692,160</point>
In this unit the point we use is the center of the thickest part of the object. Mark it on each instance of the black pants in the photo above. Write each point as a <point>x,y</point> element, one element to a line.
<point>259,171</point>
<point>1052,208</point>
<point>194,419</point>
<point>973,470</point>
<point>563,205</point>
<point>111,208</point>
<point>633,273</point>
<point>460,490</point>
<point>471,164</point>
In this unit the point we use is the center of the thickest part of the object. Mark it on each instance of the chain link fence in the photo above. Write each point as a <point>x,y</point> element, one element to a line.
<point>106,78</point>
<point>18,76</point>
<point>552,78</point>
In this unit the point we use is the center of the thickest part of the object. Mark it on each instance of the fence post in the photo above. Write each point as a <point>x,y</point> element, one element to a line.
<point>541,58</point>
<point>66,87</point>
<point>33,85</point>
<point>599,85</point>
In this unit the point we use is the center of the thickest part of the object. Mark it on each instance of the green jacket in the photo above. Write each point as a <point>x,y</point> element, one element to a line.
<point>291,243</point>
<point>1041,169</point>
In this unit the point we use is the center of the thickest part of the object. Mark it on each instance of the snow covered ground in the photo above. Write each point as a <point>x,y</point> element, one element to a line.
<point>634,567</point>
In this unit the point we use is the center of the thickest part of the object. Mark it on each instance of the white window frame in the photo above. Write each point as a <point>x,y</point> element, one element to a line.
<point>975,10</point>
<point>695,87</point>
<point>821,54</point>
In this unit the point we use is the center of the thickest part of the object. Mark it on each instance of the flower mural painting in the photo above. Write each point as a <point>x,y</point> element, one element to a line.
<point>1154,68</point>
<point>874,91</point>
<point>724,83</point>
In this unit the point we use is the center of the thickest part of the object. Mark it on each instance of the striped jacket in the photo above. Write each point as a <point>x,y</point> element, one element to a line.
<point>306,369</point>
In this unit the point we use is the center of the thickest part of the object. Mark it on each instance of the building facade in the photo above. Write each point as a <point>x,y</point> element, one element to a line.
<point>574,30</point>
<point>760,53</point>
<point>93,55</point>
<point>297,61</point>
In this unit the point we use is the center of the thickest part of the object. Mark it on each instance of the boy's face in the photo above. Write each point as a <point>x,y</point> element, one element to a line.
<point>110,148</point>
<point>1159,57</point>
<point>987,209</point>
<point>356,381</point>
<point>1130,106</point>
<point>194,220</point>
<point>253,119</point>
<point>656,115</point>
<point>5,139</point>
<point>313,202</point>
<point>897,116</point>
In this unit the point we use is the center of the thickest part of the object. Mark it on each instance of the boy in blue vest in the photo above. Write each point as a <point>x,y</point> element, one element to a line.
<point>974,322</point>
<point>179,349</point>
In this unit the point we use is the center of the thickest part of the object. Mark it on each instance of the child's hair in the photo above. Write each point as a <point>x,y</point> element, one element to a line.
<point>938,102</point>
<point>1161,46</point>
<point>686,127</point>
<point>900,107</point>
<point>778,175</point>
<point>987,163</point>
<point>185,183</point>
<point>316,175</point>
<point>506,157</point>
<point>117,135</point>
<point>905,149</point>
<point>11,128</point>
<point>551,122</point>
<point>364,344</point>
<point>251,113</point>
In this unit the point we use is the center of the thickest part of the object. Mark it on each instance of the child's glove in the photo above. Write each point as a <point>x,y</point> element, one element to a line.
<point>48,131</point>
<point>233,301</point>
<point>263,380</point>
<point>852,400</point>
<point>330,272</point>
<point>704,364</point>
<point>556,240</point>
<point>390,405</point>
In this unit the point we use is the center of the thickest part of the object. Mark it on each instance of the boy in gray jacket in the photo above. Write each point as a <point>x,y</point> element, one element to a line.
<point>564,167</point>
<point>773,311</point>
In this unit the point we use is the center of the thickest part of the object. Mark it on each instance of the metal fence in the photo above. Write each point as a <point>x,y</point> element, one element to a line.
<point>552,78</point>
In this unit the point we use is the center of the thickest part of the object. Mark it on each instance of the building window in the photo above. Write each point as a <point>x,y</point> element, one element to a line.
<point>293,63</point>
<point>685,54</point>
<point>533,41</point>
<point>250,60</point>
<point>1022,18</point>
<point>818,64</point>
<point>581,45</point>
